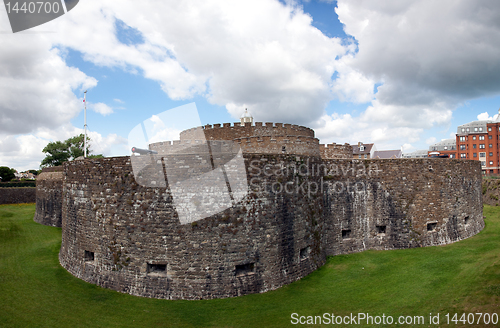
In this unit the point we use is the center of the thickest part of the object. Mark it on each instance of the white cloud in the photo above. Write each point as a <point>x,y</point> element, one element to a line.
<point>484,117</point>
<point>261,54</point>
<point>426,56</point>
<point>430,141</point>
<point>101,108</point>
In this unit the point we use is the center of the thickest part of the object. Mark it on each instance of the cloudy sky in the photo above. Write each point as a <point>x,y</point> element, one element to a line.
<point>395,72</point>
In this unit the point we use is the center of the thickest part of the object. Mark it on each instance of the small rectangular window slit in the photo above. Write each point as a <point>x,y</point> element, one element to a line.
<point>244,269</point>
<point>380,229</point>
<point>346,233</point>
<point>431,226</point>
<point>466,220</point>
<point>304,253</point>
<point>157,269</point>
<point>89,256</point>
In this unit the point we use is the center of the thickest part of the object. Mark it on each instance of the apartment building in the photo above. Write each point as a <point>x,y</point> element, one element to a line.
<point>479,140</point>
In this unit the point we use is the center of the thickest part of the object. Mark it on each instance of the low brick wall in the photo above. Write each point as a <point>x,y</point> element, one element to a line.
<point>17,195</point>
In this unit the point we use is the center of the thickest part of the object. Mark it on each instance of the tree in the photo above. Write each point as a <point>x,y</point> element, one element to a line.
<point>6,173</point>
<point>59,152</point>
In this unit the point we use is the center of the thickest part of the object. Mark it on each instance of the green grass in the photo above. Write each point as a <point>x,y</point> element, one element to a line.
<point>35,291</point>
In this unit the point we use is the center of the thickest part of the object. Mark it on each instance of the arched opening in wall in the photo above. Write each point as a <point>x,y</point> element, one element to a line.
<point>157,269</point>
<point>466,220</point>
<point>244,269</point>
<point>346,233</point>
<point>380,229</point>
<point>304,253</point>
<point>88,256</point>
<point>431,226</point>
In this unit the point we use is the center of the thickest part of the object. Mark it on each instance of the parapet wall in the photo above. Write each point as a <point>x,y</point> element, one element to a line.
<point>237,130</point>
<point>306,146</point>
<point>298,210</point>
<point>335,151</point>
<point>49,190</point>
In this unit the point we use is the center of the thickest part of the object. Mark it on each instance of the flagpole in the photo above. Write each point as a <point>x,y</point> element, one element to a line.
<point>85,125</point>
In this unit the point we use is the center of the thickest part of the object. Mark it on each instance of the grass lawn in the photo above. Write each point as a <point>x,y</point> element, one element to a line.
<point>35,291</point>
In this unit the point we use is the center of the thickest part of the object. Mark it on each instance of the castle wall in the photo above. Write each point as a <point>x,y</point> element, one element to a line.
<point>388,204</point>
<point>120,235</point>
<point>335,151</point>
<point>305,146</point>
<point>237,130</point>
<point>49,196</point>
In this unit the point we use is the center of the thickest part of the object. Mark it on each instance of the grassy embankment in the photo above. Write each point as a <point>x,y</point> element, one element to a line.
<point>35,291</point>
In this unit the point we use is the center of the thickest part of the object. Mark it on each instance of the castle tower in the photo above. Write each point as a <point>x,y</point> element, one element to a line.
<point>246,117</point>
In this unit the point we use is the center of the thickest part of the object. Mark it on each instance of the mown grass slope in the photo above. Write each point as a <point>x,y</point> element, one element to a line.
<point>35,291</point>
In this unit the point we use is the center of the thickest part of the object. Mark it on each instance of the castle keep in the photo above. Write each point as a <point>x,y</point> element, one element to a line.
<point>304,202</point>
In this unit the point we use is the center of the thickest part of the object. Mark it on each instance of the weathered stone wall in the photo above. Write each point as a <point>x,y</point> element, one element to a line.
<point>299,209</point>
<point>388,204</point>
<point>49,185</point>
<point>237,130</point>
<point>335,151</point>
<point>491,191</point>
<point>306,146</point>
<point>120,235</point>
<point>17,195</point>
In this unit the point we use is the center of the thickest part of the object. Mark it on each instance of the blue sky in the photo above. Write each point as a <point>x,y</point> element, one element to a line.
<point>400,74</point>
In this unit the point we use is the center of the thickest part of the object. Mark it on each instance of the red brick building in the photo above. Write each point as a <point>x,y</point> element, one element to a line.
<point>479,140</point>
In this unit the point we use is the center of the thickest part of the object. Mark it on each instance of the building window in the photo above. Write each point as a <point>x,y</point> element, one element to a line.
<point>481,137</point>
<point>462,147</point>
<point>491,154</point>
<point>473,137</point>
<point>463,130</point>
<point>480,129</point>
<point>491,162</point>
<point>489,129</point>
<point>462,155</point>
<point>445,147</point>
<point>462,138</point>
<point>491,145</point>
<point>474,146</point>
<point>469,129</point>
<point>475,129</point>
<point>490,136</point>
<point>483,163</point>
<point>481,146</point>
<point>359,156</point>
<point>474,155</point>
<point>366,156</point>
<point>482,154</point>
<point>452,155</point>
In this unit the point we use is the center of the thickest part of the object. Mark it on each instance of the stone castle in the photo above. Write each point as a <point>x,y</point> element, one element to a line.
<point>305,202</point>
